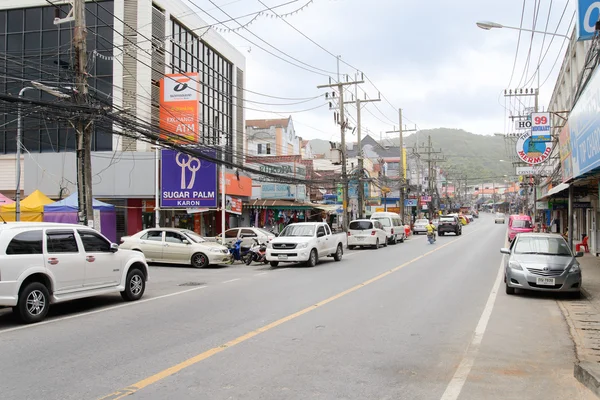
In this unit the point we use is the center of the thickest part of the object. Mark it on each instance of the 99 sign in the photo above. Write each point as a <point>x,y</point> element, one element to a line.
<point>541,120</point>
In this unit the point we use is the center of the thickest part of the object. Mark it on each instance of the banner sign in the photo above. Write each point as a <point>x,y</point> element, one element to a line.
<point>187,181</point>
<point>588,12</point>
<point>564,147</point>
<point>277,191</point>
<point>540,127</point>
<point>233,205</point>
<point>425,199</point>
<point>179,108</point>
<point>410,202</point>
<point>533,151</point>
<point>544,171</point>
<point>239,186</point>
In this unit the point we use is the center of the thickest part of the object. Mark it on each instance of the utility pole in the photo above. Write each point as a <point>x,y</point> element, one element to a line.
<point>361,187</point>
<point>431,160</point>
<point>341,120</point>
<point>401,170</point>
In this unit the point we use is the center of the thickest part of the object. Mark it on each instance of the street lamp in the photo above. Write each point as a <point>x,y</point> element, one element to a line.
<point>50,90</point>
<point>487,25</point>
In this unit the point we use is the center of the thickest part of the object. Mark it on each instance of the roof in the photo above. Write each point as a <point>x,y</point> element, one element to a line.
<point>304,143</point>
<point>267,123</point>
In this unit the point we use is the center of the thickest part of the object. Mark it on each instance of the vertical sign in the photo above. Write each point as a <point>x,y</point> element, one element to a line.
<point>187,181</point>
<point>540,127</point>
<point>179,108</point>
<point>588,12</point>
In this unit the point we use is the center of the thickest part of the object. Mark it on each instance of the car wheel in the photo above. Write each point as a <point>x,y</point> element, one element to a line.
<point>135,285</point>
<point>385,242</point>
<point>34,302</point>
<point>575,295</point>
<point>312,259</point>
<point>274,264</point>
<point>395,240</point>
<point>414,232</point>
<point>339,252</point>
<point>510,290</point>
<point>402,239</point>
<point>199,260</point>
<point>376,244</point>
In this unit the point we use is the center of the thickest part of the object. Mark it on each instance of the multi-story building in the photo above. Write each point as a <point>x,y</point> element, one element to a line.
<point>272,137</point>
<point>131,45</point>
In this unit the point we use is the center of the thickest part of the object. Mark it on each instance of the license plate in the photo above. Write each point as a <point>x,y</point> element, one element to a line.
<point>545,281</point>
<point>360,238</point>
<point>282,257</point>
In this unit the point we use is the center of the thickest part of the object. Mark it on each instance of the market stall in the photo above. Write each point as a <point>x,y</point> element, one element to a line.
<point>32,208</point>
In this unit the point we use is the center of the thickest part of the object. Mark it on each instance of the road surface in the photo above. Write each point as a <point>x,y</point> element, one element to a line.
<point>411,321</point>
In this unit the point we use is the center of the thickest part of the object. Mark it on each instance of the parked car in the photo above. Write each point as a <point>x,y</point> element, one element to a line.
<point>420,226</point>
<point>449,224</point>
<point>366,233</point>
<point>246,234</point>
<point>392,223</point>
<point>518,224</point>
<point>44,263</point>
<point>469,218</point>
<point>542,261</point>
<point>306,242</point>
<point>176,246</point>
<point>500,218</point>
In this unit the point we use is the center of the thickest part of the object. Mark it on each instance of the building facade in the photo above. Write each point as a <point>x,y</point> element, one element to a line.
<point>272,137</point>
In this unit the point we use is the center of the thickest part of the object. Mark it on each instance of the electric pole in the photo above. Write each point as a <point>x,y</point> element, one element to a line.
<point>342,121</point>
<point>401,170</point>
<point>361,187</point>
<point>431,160</point>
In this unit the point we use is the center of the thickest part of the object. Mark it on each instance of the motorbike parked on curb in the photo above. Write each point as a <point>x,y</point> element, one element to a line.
<point>238,252</point>
<point>257,253</point>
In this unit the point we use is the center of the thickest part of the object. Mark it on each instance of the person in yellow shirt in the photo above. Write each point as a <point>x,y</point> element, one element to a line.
<point>430,232</point>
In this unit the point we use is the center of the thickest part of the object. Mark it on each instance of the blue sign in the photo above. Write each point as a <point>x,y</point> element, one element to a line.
<point>410,202</point>
<point>187,181</point>
<point>584,124</point>
<point>588,12</point>
<point>353,189</point>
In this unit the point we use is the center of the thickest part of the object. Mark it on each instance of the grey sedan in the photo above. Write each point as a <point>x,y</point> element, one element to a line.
<point>543,262</point>
<point>420,226</point>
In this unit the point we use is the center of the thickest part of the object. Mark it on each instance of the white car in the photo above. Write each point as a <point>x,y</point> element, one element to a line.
<point>500,218</point>
<point>420,226</point>
<point>393,226</point>
<point>246,234</point>
<point>43,263</point>
<point>176,246</point>
<point>366,233</point>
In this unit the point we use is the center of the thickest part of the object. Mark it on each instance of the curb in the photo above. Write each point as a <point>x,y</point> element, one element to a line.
<point>588,374</point>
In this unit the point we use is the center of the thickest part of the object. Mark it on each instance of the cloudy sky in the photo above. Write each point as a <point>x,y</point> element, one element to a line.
<point>427,57</point>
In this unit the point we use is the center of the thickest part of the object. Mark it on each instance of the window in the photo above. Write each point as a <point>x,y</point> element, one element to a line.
<point>521,223</point>
<point>174,237</point>
<point>231,233</point>
<point>385,221</point>
<point>543,246</point>
<point>268,148</point>
<point>360,225</point>
<point>153,236</point>
<point>61,242</point>
<point>94,243</point>
<point>26,243</point>
<point>327,230</point>
<point>259,148</point>
<point>248,233</point>
<point>320,231</point>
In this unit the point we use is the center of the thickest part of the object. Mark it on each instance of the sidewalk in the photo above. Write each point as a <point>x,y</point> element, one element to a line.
<point>583,317</point>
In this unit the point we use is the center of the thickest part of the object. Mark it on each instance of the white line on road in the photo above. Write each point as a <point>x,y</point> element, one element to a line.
<point>231,280</point>
<point>464,368</point>
<point>50,321</point>
<point>260,273</point>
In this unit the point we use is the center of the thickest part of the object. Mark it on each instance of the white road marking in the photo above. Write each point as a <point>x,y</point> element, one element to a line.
<point>464,368</point>
<point>231,280</point>
<point>260,273</point>
<point>50,321</point>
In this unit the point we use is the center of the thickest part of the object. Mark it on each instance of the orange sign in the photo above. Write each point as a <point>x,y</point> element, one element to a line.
<point>241,187</point>
<point>233,205</point>
<point>148,205</point>
<point>179,108</point>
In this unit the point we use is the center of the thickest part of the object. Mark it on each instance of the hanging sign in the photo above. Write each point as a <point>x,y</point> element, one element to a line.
<point>531,151</point>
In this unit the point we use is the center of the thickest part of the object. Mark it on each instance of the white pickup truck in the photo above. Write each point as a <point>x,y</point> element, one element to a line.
<point>305,242</point>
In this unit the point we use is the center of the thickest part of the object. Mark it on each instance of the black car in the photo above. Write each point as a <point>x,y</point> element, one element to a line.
<point>449,224</point>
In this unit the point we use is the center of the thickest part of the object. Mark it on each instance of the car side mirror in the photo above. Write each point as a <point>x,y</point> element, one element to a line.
<point>114,247</point>
<point>504,250</point>
<point>185,241</point>
<point>579,254</point>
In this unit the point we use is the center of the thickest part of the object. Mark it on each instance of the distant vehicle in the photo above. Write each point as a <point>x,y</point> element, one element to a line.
<point>543,262</point>
<point>366,233</point>
<point>392,223</point>
<point>44,263</point>
<point>469,218</point>
<point>449,224</point>
<point>176,246</point>
<point>306,242</point>
<point>500,218</point>
<point>518,224</point>
<point>246,234</point>
<point>420,226</point>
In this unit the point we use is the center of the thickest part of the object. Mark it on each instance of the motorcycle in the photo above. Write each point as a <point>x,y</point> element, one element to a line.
<point>257,253</point>
<point>238,252</point>
<point>431,237</point>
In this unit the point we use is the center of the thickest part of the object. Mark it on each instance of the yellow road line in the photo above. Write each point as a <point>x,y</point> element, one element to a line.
<point>119,394</point>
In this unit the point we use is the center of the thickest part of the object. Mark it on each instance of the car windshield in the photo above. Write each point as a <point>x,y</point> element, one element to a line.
<point>447,219</point>
<point>521,223</point>
<point>194,236</point>
<point>384,221</point>
<point>551,246</point>
<point>360,225</point>
<point>264,232</point>
<point>298,230</point>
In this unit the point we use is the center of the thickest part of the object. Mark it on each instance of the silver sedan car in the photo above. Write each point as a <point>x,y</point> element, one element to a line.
<point>420,226</point>
<point>542,262</point>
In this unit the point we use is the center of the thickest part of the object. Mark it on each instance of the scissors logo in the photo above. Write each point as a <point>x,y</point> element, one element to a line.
<point>192,164</point>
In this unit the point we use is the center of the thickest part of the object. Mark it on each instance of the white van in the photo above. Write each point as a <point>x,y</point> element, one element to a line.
<point>392,224</point>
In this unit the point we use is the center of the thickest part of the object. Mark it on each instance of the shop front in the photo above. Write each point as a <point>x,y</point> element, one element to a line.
<point>274,215</point>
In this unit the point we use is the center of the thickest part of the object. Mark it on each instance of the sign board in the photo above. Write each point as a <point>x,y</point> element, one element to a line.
<point>410,202</point>
<point>238,187</point>
<point>233,205</point>
<point>425,199</point>
<point>179,108</point>
<point>542,205</point>
<point>187,181</point>
<point>564,147</point>
<point>588,12</point>
<point>544,171</point>
<point>532,152</point>
<point>522,124</point>
<point>284,169</point>
<point>277,191</point>
<point>540,127</point>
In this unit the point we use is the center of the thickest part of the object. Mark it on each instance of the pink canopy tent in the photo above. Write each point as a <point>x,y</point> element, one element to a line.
<point>5,200</point>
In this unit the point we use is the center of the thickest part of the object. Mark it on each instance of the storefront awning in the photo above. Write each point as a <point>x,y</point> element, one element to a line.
<point>554,191</point>
<point>279,205</point>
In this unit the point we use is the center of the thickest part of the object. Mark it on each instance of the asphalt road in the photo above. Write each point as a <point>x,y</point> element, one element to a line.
<point>411,321</point>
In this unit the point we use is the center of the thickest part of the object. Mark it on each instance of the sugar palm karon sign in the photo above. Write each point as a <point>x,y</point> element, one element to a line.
<point>179,108</point>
